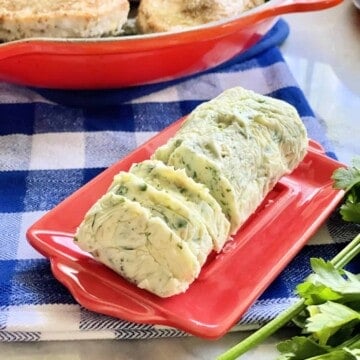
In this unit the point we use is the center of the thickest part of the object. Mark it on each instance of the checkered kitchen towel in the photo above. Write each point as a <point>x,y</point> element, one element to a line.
<point>52,142</point>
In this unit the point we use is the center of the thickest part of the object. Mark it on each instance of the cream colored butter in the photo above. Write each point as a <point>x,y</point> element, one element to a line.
<point>194,195</point>
<point>238,145</point>
<point>142,248</point>
<point>223,161</point>
<point>182,220</point>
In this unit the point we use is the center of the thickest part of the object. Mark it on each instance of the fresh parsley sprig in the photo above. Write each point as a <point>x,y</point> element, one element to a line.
<point>338,262</point>
<point>332,316</point>
<point>348,179</point>
<point>329,307</point>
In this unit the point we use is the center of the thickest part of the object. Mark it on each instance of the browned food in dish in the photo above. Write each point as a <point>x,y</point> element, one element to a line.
<point>171,15</point>
<point>61,19</point>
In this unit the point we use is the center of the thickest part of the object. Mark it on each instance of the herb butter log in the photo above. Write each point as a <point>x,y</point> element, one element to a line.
<point>238,145</point>
<point>158,223</point>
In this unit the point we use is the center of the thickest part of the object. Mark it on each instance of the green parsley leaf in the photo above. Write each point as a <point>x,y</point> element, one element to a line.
<point>348,179</point>
<point>300,347</point>
<point>350,211</point>
<point>326,319</point>
<point>341,354</point>
<point>306,348</point>
<point>329,284</point>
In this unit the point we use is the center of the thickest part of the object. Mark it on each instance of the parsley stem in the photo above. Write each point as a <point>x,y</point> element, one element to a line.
<point>264,332</point>
<point>339,261</point>
<point>347,253</point>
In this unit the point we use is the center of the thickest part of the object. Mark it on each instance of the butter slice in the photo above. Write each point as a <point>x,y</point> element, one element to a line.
<point>126,237</point>
<point>194,195</point>
<point>184,222</point>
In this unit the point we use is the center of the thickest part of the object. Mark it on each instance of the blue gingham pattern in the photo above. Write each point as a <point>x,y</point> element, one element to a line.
<point>52,142</point>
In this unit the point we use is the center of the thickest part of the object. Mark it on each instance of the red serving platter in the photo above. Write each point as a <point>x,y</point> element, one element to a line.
<point>229,283</point>
<point>122,61</point>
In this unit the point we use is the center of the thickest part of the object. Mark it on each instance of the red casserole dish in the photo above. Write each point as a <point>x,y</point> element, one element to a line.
<point>140,59</point>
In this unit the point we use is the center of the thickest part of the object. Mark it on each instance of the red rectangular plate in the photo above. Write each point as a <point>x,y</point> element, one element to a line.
<point>229,282</point>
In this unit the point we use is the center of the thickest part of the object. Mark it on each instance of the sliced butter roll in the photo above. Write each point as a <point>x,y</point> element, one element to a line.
<point>158,223</point>
<point>194,195</point>
<point>126,237</point>
<point>183,221</point>
<point>238,145</point>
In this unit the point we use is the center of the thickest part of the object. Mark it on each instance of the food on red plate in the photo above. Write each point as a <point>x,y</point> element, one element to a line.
<point>153,226</point>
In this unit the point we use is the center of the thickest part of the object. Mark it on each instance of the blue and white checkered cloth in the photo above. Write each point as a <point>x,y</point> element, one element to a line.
<point>52,142</point>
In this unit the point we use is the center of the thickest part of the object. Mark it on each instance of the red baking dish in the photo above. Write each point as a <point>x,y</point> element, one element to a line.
<point>140,59</point>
